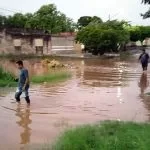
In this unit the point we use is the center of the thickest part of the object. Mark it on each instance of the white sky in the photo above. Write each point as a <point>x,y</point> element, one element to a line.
<point>121,9</point>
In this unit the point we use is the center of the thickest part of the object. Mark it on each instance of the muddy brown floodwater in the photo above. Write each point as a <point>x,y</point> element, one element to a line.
<point>98,90</point>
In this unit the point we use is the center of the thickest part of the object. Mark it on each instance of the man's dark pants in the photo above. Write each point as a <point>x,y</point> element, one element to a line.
<point>144,66</point>
<point>18,94</point>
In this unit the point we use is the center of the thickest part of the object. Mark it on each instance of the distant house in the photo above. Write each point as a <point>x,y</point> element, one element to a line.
<point>146,42</point>
<point>138,44</point>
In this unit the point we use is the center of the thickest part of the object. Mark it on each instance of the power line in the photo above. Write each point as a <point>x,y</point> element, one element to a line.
<point>1,13</point>
<point>9,10</point>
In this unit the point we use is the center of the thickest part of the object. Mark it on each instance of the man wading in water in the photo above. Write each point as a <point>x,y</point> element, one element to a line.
<point>23,83</point>
<point>144,57</point>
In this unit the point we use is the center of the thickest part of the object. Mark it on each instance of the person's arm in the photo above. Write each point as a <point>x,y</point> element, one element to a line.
<point>16,79</point>
<point>140,57</point>
<point>27,79</point>
<point>147,56</point>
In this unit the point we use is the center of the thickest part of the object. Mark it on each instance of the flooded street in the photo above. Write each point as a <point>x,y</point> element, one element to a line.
<point>98,90</point>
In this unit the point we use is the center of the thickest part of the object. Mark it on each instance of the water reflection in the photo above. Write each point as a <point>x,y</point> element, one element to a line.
<point>104,76</point>
<point>143,83</point>
<point>24,122</point>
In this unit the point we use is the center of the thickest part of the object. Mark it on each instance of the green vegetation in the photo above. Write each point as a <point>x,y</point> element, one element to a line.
<point>6,78</point>
<point>51,77</point>
<point>106,136</point>
<point>15,57</point>
<point>146,1</point>
<point>147,14</point>
<point>110,36</point>
<point>86,20</point>
<point>135,33</point>
<point>47,18</point>
<point>7,83</point>
<point>138,33</point>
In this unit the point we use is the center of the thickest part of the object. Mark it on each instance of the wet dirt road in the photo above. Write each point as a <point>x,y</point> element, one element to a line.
<point>98,90</point>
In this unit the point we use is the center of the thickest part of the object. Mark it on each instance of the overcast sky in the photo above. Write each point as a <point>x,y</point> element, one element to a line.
<point>121,9</point>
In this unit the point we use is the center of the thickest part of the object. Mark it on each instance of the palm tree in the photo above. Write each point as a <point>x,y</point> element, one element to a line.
<point>146,1</point>
<point>147,14</point>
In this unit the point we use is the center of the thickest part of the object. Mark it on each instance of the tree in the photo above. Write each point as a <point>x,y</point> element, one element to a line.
<point>28,17</point>
<point>147,14</point>
<point>145,32</point>
<point>18,20</point>
<point>117,25</point>
<point>86,20</point>
<point>139,33</point>
<point>47,18</point>
<point>2,21</point>
<point>50,19</point>
<point>135,33</point>
<point>104,37</point>
<point>146,1</point>
<point>96,19</point>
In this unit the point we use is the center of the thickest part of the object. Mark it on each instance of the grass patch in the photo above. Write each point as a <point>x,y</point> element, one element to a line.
<point>6,78</point>
<point>16,57</point>
<point>51,77</point>
<point>106,136</point>
<point>5,83</point>
<point>34,56</point>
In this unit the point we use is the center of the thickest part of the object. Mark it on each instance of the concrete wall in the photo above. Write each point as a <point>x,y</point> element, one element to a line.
<point>64,44</point>
<point>10,44</point>
<point>29,44</point>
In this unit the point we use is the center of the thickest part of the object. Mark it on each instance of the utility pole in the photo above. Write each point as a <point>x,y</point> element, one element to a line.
<point>111,17</point>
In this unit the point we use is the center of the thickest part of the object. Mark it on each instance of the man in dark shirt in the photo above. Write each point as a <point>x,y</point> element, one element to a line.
<point>23,83</point>
<point>144,57</point>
